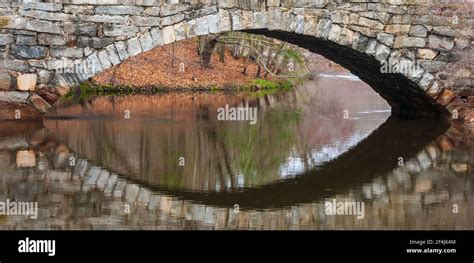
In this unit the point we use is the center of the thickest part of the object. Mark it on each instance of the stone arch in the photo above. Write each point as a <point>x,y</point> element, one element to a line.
<point>363,37</point>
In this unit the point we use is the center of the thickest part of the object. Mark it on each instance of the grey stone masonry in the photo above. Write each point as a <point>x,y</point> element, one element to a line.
<point>65,42</point>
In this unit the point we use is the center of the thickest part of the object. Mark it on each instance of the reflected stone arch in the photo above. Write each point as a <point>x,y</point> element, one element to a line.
<point>113,190</point>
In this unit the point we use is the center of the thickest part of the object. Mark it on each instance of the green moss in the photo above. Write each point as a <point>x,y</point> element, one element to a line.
<point>265,84</point>
<point>88,90</point>
<point>295,55</point>
<point>216,89</point>
<point>262,93</point>
<point>257,87</point>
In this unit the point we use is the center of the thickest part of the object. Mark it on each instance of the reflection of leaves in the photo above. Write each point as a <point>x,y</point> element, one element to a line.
<point>87,91</point>
<point>261,148</point>
<point>114,151</point>
<point>248,160</point>
<point>173,180</point>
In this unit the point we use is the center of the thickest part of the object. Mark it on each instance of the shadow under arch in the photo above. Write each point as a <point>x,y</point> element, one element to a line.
<point>375,155</point>
<point>405,96</point>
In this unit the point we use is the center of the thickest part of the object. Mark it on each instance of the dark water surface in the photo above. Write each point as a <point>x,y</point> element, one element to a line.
<point>174,165</point>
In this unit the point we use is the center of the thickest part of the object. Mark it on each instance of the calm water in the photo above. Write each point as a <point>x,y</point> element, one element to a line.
<point>174,165</point>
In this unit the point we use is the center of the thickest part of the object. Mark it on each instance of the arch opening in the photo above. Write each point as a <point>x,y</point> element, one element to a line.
<point>405,97</point>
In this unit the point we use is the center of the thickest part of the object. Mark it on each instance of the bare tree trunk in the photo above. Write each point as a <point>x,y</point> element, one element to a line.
<point>259,71</point>
<point>222,53</point>
<point>208,47</point>
<point>173,56</point>
<point>113,78</point>
<point>244,72</point>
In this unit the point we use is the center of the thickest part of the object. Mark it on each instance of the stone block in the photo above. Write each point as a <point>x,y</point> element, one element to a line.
<point>26,40</point>
<point>16,65</point>
<point>385,39</point>
<point>335,33</point>
<point>14,96</point>
<point>119,10</point>
<point>48,16</point>
<point>171,9</point>
<point>168,35</point>
<point>28,52</point>
<point>382,52</point>
<point>418,31</point>
<point>48,95</point>
<point>113,54</point>
<point>78,9</point>
<point>115,30</point>
<point>25,159</point>
<point>405,41</point>
<point>94,42</point>
<point>360,42</point>
<point>146,42</point>
<point>373,24</point>
<point>440,43</point>
<point>152,11</point>
<point>371,47</point>
<point>397,29</point>
<point>38,103</point>
<point>116,19</point>
<point>214,24</point>
<point>93,64</point>
<point>6,39</point>
<point>51,7</point>
<point>324,25</point>
<point>224,16</point>
<point>445,31</point>
<point>133,47</point>
<point>7,81</point>
<point>26,82</point>
<point>67,52</point>
<point>80,29</point>
<point>171,20</point>
<point>104,59</point>
<point>43,27</point>
<point>426,53</point>
<point>121,47</point>
<point>299,27</point>
<point>200,28</point>
<point>347,36</point>
<point>44,76</point>
<point>157,36</point>
<point>181,30</point>
<point>145,21</point>
<point>51,40</point>
<point>426,81</point>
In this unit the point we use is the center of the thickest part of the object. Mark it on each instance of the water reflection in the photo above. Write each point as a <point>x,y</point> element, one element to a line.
<point>301,152</point>
<point>295,132</point>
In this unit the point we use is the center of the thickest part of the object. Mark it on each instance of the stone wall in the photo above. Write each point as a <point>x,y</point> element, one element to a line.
<point>48,47</point>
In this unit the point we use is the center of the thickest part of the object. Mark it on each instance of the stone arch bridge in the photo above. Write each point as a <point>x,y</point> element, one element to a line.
<point>48,47</point>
